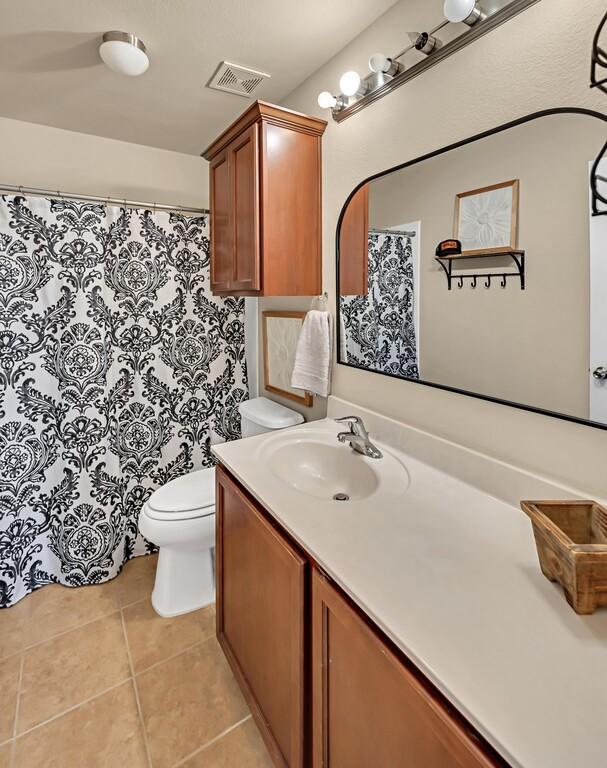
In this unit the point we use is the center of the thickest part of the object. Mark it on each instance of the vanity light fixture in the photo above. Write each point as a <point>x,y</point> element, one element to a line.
<point>474,18</point>
<point>381,64</point>
<point>124,53</point>
<point>326,100</point>
<point>466,11</point>
<point>351,84</point>
<point>424,42</point>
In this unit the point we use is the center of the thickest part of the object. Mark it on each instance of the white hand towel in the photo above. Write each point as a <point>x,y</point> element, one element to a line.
<point>312,368</point>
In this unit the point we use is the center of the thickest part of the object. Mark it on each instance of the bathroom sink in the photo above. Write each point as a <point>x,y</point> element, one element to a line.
<point>316,464</point>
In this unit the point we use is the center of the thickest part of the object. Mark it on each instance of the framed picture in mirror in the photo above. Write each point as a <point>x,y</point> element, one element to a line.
<point>280,331</point>
<point>486,219</point>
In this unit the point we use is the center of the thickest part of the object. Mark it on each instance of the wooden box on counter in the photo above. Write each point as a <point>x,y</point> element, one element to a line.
<point>571,539</point>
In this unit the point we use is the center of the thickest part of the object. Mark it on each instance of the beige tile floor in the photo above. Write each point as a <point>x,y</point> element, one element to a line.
<point>93,678</point>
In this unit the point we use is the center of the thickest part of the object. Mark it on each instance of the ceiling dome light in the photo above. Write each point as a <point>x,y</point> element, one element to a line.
<point>350,84</point>
<point>124,53</point>
<point>462,10</point>
<point>326,100</point>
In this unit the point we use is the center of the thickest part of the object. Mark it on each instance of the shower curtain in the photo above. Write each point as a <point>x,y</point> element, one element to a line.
<point>380,327</point>
<point>118,369</point>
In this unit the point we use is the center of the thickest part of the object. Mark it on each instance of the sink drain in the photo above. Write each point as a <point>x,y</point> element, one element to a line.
<point>341,497</point>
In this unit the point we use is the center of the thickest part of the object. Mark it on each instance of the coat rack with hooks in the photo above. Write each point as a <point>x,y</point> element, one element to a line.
<point>518,257</point>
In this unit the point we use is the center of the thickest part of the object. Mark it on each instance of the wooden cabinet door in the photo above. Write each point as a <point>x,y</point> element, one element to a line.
<point>222,229</point>
<point>354,246</point>
<point>244,160</point>
<point>369,709</point>
<point>260,619</point>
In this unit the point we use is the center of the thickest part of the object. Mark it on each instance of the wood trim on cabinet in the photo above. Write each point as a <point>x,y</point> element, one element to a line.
<point>297,643</point>
<point>263,110</point>
<point>222,225</point>
<point>246,211</point>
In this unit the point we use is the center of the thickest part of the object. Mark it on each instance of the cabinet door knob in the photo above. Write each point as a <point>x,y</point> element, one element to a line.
<point>600,373</point>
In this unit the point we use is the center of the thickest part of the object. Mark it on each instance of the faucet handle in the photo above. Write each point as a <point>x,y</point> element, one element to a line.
<point>348,420</point>
<point>357,425</point>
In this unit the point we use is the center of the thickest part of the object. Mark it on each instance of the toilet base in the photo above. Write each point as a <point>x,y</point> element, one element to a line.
<point>185,581</point>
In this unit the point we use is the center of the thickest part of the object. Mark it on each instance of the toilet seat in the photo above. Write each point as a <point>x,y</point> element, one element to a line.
<point>184,498</point>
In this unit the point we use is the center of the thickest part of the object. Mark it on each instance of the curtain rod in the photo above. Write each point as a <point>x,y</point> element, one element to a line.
<point>377,231</point>
<point>95,199</point>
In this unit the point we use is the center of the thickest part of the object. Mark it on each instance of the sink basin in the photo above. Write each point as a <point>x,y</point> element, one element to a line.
<point>315,464</point>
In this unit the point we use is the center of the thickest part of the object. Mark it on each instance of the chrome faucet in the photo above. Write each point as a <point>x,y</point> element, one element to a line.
<point>358,437</point>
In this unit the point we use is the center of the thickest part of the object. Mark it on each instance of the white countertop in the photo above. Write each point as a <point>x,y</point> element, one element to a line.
<point>450,573</point>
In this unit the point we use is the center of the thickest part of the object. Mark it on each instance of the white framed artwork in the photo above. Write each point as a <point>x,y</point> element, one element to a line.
<point>486,219</point>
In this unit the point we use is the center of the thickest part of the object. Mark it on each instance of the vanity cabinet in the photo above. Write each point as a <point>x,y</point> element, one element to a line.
<point>265,193</point>
<point>370,708</point>
<point>326,688</point>
<point>260,618</point>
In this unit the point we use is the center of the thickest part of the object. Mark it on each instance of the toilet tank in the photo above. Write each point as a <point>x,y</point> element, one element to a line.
<point>262,415</point>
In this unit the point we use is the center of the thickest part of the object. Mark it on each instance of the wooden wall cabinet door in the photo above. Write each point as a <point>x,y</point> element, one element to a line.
<point>354,246</point>
<point>369,709</point>
<point>266,204</point>
<point>260,619</point>
<point>222,230</point>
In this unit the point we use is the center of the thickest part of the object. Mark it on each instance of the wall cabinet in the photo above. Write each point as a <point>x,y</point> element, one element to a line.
<point>265,192</point>
<point>326,688</point>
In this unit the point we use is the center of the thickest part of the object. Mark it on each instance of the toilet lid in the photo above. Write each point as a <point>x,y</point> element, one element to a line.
<point>192,493</point>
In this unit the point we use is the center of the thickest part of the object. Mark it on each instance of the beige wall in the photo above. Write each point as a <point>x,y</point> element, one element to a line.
<point>507,343</point>
<point>39,156</point>
<point>537,60</point>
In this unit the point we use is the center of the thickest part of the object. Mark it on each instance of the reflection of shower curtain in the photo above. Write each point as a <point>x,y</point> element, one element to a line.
<point>118,369</point>
<point>380,327</point>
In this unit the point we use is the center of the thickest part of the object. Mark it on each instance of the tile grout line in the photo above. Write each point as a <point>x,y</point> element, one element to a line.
<point>172,656</point>
<point>136,692</point>
<point>67,631</point>
<point>17,705</point>
<point>219,736</point>
<point>72,708</point>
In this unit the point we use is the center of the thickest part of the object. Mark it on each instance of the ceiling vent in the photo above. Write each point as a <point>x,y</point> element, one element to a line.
<point>235,79</point>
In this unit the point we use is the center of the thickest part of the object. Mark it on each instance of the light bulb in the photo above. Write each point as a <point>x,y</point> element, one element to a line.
<point>462,10</point>
<point>124,53</point>
<point>326,100</point>
<point>379,63</point>
<point>350,83</point>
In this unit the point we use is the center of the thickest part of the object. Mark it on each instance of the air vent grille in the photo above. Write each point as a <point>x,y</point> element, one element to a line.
<point>233,78</point>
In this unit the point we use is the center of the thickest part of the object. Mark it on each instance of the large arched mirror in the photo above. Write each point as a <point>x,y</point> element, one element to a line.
<point>513,306</point>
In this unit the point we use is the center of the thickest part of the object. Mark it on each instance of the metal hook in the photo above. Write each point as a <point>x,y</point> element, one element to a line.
<point>503,281</point>
<point>474,281</point>
<point>488,282</point>
<point>460,282</point>
<point>21,190</point>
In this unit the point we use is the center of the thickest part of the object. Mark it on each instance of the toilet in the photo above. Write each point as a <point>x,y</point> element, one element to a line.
<point>179,518</point>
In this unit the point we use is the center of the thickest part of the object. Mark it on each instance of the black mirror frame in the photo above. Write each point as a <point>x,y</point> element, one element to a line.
<point>435,153</point>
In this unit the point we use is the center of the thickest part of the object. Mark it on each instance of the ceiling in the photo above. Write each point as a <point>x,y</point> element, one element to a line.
<point>50,71</point>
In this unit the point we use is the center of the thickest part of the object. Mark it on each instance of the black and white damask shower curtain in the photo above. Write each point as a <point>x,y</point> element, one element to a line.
<point>118,369</point>
<point>379,327</point>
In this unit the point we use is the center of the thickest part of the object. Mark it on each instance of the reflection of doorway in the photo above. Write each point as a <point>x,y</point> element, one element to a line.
<point>416,227</point>
<point>598,312</point>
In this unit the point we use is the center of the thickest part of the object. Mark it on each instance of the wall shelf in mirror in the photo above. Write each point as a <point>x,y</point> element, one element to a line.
<point>486,278</point>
